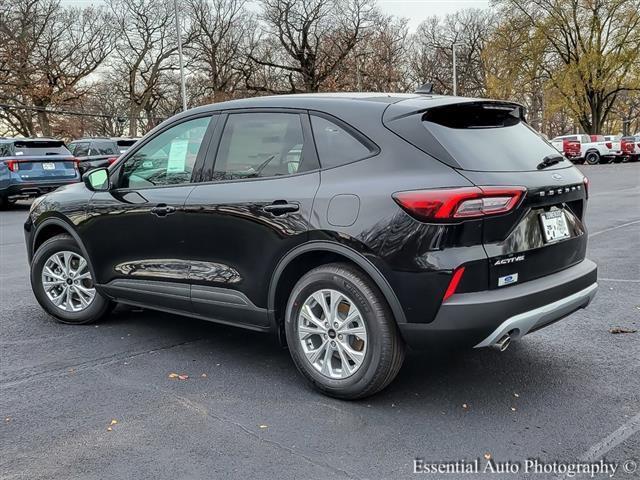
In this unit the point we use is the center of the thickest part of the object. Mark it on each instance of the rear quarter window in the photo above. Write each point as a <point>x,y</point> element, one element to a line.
<point>335,144</point>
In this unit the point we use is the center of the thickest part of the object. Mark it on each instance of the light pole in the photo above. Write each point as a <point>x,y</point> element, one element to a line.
<point>455,76</point>
<point>183,88</point>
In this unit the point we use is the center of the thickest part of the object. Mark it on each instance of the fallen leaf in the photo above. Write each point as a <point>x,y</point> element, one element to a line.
<point>516,395</point>
<point>617,330</point>
<point>464,405</point>
<point>487,456</point>
<point>204,375</point>
<point>173,375</point>
<point>113,422</point>
<point>183,376</point>
<point>513,409</point>
<point>8,419</point>
<point>109,429</point>
<point>264,426</point>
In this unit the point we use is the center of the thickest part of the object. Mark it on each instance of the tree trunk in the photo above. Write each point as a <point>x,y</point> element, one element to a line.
<point>134,114</point>
<point>43,121</point>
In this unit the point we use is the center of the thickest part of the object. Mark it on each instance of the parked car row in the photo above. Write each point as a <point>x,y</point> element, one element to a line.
<point>594,149</point>
<point>30,167</point>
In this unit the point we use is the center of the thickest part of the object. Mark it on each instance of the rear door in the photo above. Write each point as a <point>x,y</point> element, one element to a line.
<point>254,207</point>
<point>491,145</point>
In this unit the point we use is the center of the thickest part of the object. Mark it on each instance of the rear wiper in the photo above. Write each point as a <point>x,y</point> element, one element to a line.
<point>550,160</point>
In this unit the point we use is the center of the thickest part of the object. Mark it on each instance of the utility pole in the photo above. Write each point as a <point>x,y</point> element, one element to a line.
<point>183,88</point>
<point>455,75</point>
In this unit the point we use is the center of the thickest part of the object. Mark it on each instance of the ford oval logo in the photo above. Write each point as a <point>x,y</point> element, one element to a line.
<point>556,176</point>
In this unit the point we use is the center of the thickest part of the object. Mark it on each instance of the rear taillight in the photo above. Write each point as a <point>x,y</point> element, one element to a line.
<point>453,284</point>
<point>12,165</point>
<point>609,144</point>
<point>447,204</point>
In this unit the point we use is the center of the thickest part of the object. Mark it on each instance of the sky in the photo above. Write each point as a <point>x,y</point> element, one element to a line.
<point>415,10</point>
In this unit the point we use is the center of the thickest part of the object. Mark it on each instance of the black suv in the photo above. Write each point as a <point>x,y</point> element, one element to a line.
<point>351,225</point>
<point>95,152</point>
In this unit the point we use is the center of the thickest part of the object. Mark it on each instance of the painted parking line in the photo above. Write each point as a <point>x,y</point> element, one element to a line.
<point>594,234</point>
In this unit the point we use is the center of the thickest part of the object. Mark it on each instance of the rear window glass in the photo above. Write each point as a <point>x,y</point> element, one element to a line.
<point>104,148</point>
<point>45,147</point>
<point>488,137</point>
<point>80,149</point>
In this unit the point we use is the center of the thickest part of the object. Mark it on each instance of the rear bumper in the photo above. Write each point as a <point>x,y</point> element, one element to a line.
<point>34,189</point>
<point>479,319</point>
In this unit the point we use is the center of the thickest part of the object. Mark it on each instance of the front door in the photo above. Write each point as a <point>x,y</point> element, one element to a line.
<point>255,207</point>
<point>135,233</point>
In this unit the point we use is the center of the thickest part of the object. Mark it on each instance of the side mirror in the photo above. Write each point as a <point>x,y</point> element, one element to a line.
<point>97,180</point>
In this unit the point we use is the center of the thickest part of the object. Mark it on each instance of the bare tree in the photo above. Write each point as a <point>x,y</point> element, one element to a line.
<point>379,61</point>
<point>432,51</point>
<point>224,34</point>
<point>309,39</point>
<point>47,51</point>
<point>147,50</point>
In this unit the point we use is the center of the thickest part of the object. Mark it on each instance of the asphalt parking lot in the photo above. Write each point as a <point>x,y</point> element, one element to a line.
<point>569,392</point>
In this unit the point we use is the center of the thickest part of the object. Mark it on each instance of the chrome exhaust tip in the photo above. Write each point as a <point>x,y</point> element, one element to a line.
<point>503,343</point>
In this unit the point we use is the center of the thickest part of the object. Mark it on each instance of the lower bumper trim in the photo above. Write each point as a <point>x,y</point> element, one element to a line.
<point>521,324</point>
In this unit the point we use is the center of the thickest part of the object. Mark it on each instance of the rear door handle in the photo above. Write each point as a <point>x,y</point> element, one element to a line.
<point>281,207</point>
<point>163,210</point>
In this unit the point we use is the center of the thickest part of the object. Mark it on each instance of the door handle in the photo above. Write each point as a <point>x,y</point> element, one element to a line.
<point>163,210</point>
<point>281,207</point>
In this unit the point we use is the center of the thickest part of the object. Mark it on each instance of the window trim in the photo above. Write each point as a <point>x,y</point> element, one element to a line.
<point>374,149</point>
<point>308,145</point>
<point>197,167</point>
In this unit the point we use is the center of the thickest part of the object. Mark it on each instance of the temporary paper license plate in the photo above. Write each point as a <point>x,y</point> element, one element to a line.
<point>554,226</point>
<point>48,166</point>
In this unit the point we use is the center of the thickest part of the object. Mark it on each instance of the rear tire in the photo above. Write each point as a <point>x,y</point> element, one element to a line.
<point>362,356</point>
<point>63,284</point>
<point>592,157</point>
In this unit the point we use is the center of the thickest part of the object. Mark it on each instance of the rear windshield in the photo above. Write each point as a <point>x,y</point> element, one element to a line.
<point>104,148</point>
<point>488,137</point>
<point>44,147</point>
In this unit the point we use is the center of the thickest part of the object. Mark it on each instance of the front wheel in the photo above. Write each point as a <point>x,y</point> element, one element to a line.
<point>62,282</point>
<point>592,158</point>
<point>341,333</point>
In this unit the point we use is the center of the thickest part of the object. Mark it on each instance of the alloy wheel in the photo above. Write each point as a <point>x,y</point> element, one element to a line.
<point>333,334</point>
<point>67,281</point>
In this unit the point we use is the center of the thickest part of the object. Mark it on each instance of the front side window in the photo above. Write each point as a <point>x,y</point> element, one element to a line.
<point>167,159</point>
<point>261,145</point>
<point>335,145</point>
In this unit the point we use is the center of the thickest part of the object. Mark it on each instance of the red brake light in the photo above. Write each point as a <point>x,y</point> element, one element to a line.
<point>453,203</point>
<point>453,284</point>
<point>12,165</point>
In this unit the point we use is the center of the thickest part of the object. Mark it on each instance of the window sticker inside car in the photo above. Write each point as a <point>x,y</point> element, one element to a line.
<point>177,156</point>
